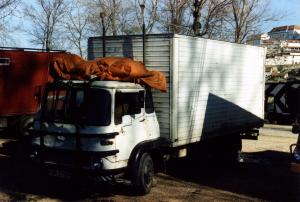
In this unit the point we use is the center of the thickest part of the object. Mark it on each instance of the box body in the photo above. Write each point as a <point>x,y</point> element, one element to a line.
<point>215,88</point>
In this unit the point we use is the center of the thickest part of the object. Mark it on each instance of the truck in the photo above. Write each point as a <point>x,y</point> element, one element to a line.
<point>215,96</point>
<point>23,73</point>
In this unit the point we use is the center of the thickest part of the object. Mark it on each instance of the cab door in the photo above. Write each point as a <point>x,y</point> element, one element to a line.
<point>152,126</point>
<point>130,119</point>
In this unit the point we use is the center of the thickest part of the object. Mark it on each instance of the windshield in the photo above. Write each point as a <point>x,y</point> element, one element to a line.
<point>75,105</point>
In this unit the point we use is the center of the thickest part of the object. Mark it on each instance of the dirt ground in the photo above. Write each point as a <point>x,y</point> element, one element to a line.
<point>263,174</point>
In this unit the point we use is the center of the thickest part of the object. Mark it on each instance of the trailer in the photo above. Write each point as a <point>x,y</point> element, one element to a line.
<point>215,97</point>
<point>23,72</point>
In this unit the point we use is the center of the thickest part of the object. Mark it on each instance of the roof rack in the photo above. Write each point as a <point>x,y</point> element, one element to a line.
<point>30,49</point>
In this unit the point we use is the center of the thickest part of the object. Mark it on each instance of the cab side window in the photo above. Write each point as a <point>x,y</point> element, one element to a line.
<point>149,102</point>
<point>128,104</point>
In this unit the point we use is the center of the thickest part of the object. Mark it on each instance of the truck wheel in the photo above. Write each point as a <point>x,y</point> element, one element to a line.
<point>143,175</point>
<point>228,150</point>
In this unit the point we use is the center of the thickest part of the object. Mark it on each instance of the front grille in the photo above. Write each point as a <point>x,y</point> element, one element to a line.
<point>70,159</point>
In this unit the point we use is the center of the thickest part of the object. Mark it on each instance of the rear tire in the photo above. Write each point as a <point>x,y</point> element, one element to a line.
<point>143,175</point>
<point>227,150</point>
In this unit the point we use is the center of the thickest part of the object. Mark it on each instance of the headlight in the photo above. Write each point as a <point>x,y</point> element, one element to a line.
<point>49,140</point>
<point>35,141</point>
<point>58,141</point>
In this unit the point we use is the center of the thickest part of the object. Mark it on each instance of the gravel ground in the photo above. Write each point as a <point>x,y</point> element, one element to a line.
<point>263,174</point>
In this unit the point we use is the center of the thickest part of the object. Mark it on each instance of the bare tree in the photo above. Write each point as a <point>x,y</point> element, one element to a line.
<point>5,3</point>
<point>111,8</point>
<point>175,15</point>
<point>7,8</point>
<point>45,18</point>
<point>151,14</point>
<point>127,19</point>
<point>76,24</point>
<point>247,17</point>
<point>121,16</point>
<point>208,16</point>
<point>194,17</point>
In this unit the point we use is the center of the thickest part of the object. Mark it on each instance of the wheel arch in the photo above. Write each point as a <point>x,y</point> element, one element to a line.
<point>153,147</point>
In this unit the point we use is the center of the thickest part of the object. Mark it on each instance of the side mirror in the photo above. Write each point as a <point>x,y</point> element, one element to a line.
<point>126,120</point>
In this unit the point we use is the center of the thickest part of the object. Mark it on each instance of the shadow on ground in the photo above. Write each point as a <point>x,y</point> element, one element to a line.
<point>20,179</point>
<point>264,175</point>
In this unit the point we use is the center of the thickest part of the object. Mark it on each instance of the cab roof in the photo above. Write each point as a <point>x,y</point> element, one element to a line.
<point>109,84</point>
<point>116,84</point>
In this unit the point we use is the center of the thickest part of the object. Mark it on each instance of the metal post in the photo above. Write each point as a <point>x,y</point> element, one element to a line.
<point>143,30</point>
<point>196,24</point>
<point>102,15</point>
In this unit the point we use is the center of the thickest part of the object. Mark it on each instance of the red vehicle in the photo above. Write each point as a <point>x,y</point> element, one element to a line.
<point>23,72</point>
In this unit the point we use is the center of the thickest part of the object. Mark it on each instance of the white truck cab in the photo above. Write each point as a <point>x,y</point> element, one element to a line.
<point>104,126</point>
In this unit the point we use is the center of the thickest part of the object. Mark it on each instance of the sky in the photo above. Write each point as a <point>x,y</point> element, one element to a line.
<point>289,8</point>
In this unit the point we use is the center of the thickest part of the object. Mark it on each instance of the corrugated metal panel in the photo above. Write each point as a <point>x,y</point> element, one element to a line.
<point>221,86</point>
<point>157,57</point>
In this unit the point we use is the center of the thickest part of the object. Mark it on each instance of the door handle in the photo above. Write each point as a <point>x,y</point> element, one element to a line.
<point>142,120</point>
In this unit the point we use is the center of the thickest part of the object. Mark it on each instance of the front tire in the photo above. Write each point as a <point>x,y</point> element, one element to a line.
<point>143,174</point>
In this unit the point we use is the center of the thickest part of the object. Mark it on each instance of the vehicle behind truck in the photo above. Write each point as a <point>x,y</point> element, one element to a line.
<point>23,73</point>
<point>215,96</point>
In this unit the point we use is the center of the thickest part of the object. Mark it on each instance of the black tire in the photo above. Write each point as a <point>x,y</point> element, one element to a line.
<point>227,150</point>
<point>143,175</point>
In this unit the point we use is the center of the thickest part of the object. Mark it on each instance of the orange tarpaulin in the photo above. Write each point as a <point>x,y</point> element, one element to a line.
<point>70,66</point>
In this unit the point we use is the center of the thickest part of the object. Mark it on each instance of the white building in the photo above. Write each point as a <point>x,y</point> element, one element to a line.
<point>291,46</point>
<point>283,60</point>
<point>257,39</point>
<point>282,43</point>
<point>291,32</point>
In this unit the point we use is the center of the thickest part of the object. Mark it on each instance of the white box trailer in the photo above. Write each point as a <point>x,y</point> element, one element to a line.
<point>215,88</point>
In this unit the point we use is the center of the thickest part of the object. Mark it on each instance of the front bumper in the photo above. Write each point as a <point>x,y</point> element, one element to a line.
<point>74,151</point>
<point>73,161</point>
<point>88,160</point>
